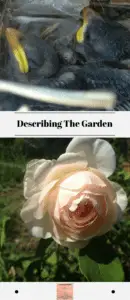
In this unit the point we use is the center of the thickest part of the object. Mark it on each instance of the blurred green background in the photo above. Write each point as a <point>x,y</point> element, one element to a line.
<point>24,258</point>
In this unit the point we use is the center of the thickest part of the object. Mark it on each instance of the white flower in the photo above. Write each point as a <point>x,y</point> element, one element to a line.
<point>70,199</point>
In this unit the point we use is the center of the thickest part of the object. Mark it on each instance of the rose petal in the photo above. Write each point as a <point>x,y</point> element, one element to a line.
<point>71,157</point>
<point>80,179</point>
<point>105,157</point>
<point>44,200</point>
<point>54,208</point>
<point>83,144</point>
<point>57,199</point>
<point>38,232</point>
<point>110,190</point>
<point>72,245</point>
<point>67,227</point>
<point>109,220</point>
<point>64,196</point>
<point>75,203</point>
<point>99,153</point>
<point>60,171</point>
<point>111,217</point>
<point>29,208</point>
<point>121,199</point>
<point>42,228</point>
<point>61,238</point>
<point>54,212</point>
<point>36,205</point>
<point>36,172</point>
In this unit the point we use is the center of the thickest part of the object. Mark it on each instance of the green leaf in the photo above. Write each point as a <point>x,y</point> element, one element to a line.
<point>3,272</point>
<point>52,259</point>
<point>98,262</point>
<point>3,231</point>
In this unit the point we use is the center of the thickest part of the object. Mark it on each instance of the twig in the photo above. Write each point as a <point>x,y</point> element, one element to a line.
<point>90,99</point>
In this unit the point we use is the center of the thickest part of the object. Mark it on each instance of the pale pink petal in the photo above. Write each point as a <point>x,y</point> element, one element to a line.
<point>60,171</point>
<point>99,153</point>
<point>29,208</point>
<point>36,171</point>
<point>105,157</point>
<point>72,245</point>
<point>36,205</point>
<point>58,232</point>
<point>42,170</point>
<point>83,144</point>
<point>54,211</point>
<point>110,190</point>
<point>121,199</point>
<point>71,157</point>
<point>64,196</point>
<point>61,238</point>
<point>66,224</point>
<point>45,191</point>
<point>109,220</point>
<point>44,200</point>
<point>112,207</point>
<point>58,198</point>
<point>78,180</point>
<point>38,232</point>
<point>41,228</point>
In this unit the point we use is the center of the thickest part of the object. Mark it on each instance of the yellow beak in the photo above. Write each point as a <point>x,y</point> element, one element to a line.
<point>13,36</point>
<point>80,33</point>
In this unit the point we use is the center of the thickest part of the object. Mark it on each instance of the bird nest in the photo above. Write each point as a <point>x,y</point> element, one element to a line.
<point>58,60</point>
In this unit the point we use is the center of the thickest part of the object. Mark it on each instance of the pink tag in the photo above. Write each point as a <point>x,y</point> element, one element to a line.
<point>64,292</point>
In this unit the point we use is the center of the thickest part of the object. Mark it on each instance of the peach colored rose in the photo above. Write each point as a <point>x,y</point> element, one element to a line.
<point>70,199</point>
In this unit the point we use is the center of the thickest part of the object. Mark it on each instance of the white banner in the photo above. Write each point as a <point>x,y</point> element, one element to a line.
<point>64,124</point>
<point>83,291</point>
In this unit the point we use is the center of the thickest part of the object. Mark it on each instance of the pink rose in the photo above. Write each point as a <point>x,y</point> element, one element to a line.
<point>70,199</point>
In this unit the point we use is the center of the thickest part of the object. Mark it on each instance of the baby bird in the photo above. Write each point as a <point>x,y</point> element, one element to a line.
<point>99,76</point>
<point>42,57</point>
<point>36,61</point>
<point>103,39</point>
<point>43,63</point>
<point>109,40</point>
<point>39,55</point>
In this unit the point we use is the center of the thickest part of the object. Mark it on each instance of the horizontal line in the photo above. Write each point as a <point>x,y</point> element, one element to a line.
<point>49,135</point>
<point>66,112</point>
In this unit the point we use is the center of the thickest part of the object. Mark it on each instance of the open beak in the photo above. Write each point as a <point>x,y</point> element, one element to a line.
<point>13,38</point>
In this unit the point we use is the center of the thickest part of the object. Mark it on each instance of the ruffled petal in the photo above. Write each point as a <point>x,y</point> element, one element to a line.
<point>38,232</point>
<point>64,196</point>
<point>99,153</point>
<point>71,157</point>
<point>109,190</point>
<point>80,179</point>
<point>83,145</point>
<point>61,238</point>
<point>105,157</point>
<point>29,208</point>
<point>36,205</point>
<point>109,220</point>
<point>60,171</point>
<point>42,228</point>
<point>72,245</point>
<point>121,199</point>
<point>36,171</point>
